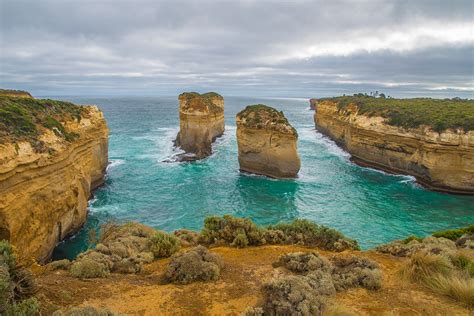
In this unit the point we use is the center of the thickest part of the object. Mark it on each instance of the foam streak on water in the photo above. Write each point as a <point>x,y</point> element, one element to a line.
<point>366,204</point>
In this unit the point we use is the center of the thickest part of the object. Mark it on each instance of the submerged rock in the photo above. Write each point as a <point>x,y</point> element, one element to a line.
<point>267,142</point>
<point>201,119</point>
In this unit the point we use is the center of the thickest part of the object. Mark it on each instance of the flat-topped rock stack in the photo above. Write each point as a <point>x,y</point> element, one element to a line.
<point>201,119</point>
<point>267,143</point>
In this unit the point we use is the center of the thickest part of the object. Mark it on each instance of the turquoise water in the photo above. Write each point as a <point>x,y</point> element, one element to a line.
<point>365,204</point>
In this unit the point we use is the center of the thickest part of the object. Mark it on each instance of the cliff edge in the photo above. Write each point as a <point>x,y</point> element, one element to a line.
<point>267,143</point>
<point>432,140</point>
<point>52,155</point>
<point>201,121</point>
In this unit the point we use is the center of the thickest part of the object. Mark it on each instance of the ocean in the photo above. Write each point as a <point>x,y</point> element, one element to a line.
<point>365,204</point>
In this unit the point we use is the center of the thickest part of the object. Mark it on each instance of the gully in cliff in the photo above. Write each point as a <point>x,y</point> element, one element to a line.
<point>52,155</point>
<point>201,121</point>
<point>267,142</point>
<point>430,139</point>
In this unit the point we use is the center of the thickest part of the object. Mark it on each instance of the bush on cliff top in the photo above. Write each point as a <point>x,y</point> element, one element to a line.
<point>24,118</point>
<point>440,114</point>
<point>17,285</point>
<point>454,234</point>
<point>242,232</point>
<point>263,116</point>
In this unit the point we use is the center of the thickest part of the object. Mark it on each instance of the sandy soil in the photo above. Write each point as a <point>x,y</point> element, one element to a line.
<point>239,287</point>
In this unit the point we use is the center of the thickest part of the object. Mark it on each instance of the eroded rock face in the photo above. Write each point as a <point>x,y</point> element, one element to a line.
<point>267,142</point>
<point>201,118</point>
<point>440,161</point>
<point>44,194</point>
<point>313,103</point>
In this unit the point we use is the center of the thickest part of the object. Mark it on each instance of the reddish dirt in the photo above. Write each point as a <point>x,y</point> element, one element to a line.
<point>239,287</point>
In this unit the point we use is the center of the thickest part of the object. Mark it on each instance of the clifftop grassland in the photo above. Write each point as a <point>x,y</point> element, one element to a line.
<point>24,119</point>
<point>203,102</point>
<point>261,116</point>
<point>439,114</point>
<point>15,93</point>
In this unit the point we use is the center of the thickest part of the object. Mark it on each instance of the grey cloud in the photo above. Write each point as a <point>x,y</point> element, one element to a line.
<point>235,47</point>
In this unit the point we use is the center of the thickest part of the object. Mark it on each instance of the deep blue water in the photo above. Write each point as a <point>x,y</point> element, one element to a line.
<point>365,204</point>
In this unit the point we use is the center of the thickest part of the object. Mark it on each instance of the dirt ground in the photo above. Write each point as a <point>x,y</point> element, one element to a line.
<point>239,287</point>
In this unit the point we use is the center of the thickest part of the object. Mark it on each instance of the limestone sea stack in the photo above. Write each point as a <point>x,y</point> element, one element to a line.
<point>201,121</point>
<point>52,155</point>
<point>267,143</point>
<point>312,104</point>
<point>396,135</point>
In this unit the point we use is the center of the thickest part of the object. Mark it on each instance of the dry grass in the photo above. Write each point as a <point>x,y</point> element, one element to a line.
<point>335,309</point>
<point>455,287</point>
<point>436,273</point>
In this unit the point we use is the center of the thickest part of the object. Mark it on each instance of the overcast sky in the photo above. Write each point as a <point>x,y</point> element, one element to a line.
<point>265,48</point>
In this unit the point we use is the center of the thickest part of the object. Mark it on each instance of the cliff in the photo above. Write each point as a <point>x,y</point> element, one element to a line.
<point>15,93</point>
<point>391,138</point>
<point>52,155</point>
<point>201,121</point>
<point>267,143</point>
<point>313,103</point>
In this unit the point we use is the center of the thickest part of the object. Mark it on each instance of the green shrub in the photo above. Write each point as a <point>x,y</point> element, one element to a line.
<point>353,271</point>
<point>240,232</point>
<point>411,238</point>
<point>304,262</point>
<point>7,256</point>
<point>27,307</point>
<point>462,263</point>
<point>454,234</point>
<point>86,268</point>
<point>164,245</point>
<point>302,231</point>
<point>63,264</point>
<point>197,264</point>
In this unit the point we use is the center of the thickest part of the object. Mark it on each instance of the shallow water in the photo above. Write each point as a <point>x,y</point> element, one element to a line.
<point>368,205</point>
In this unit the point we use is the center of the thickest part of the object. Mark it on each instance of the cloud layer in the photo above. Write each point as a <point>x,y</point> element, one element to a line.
<point>267,48</point>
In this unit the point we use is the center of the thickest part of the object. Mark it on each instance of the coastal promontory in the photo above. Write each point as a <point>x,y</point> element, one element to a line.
<point>52,155</point>
<point>267,143</point>
<point>430,139</point>
<point>201,118</point>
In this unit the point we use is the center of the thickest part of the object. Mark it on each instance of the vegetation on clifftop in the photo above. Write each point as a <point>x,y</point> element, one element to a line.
<point>439,114</point>
<point>25,118</point>
<point>203,101</point>
<point>262,116</point>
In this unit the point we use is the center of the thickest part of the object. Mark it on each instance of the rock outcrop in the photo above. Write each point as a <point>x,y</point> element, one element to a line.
<point>201,118</point>
<point>267,142</point>
<point>312,104</point>
<point>47,173</point>
<point>441,161</point>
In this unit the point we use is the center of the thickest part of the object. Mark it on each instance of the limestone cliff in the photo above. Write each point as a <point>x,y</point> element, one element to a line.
<point>201,118</point>
<point>15,93</point>
<point>267,143</point>
<point>50,161</point>
<point>312,104</point>
<point>442,161</point>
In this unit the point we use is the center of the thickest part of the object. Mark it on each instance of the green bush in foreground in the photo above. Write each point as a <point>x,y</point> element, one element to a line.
<point>242,232</point>
<point>87,268</point>
<point>164,245</point>
<point>454,234</point>
<point>17,285</point>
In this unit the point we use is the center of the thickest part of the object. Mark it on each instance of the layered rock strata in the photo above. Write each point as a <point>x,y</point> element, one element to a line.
<point>267,143</point>
<point>440,161</point>
<point>45,182</point>
<point>201,118</point>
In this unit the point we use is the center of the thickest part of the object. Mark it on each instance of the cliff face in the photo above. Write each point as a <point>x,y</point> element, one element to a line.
<point>441,161</point>
<point>201,119</point>
<point>267,143</point>
<point>44,193</point>
<point>313,103</point>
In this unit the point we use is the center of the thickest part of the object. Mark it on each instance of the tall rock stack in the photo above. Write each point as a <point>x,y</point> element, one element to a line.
<point>267,142</point>
<point>201,119</point>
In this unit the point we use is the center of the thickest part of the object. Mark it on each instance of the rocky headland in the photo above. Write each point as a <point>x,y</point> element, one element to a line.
<point>432,140</point>
<point>201,121</point>
<point>267,143</point>
<point>52,155</point>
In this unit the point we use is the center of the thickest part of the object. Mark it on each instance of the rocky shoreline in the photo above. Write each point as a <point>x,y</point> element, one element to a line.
<point>441,161</point>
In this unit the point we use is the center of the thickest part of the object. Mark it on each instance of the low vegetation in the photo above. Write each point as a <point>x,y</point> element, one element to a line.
<point>85,311</point>
<point>197,264</point>
<point>164,245</point>
<point>17,285</point>
<point>441,275</point>
<point>25,118</point>
<point>454,234</point>
<point>203,101</point>
<point>262,116</point>
<point>242,232</point>
<point>313,281</point>
<point>439,114</point>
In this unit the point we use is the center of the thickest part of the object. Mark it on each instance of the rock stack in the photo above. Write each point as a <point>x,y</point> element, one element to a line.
<point>267,143</point>
<point>201,119</point>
